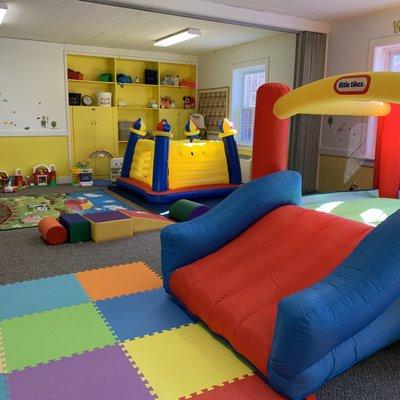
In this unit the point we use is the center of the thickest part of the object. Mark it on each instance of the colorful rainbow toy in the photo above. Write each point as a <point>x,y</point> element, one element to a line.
<point>165,170</point>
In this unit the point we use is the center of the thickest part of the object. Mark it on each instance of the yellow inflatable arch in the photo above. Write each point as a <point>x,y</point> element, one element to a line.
<point>360,94</point>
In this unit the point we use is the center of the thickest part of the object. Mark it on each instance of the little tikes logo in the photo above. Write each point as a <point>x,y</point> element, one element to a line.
<point>353,84</point>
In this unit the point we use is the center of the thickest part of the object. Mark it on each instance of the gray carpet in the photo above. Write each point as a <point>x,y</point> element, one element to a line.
<point>23,256</point>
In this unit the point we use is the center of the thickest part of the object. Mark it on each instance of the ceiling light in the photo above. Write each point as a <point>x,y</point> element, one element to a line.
<point>178,37</point>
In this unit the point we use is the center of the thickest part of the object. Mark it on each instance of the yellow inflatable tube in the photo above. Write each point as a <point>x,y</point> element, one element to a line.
<point>359,94</point>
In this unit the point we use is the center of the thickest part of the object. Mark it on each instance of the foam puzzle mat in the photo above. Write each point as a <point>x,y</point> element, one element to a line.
<point>113,333</point>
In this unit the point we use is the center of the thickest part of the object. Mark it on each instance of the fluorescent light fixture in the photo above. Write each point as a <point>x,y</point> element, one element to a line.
<point>178,37</point>
<point>3,10</point>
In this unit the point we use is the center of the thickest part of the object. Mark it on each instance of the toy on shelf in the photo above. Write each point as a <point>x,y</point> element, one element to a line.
<point>82,174</point>
<point>3,179</point>
<point>164,170</point>
<point>104,99</point>
<point>167,102</point>
<point>187,83</point>
<point>189,102</point>
<point>74,74</point>
<point>122,79</point>
<point>168,80</point>
<point>115,168</point>
<point>150,76</point>
<point>153,104</point>
<point>105,77</point>
<point>41,174</point>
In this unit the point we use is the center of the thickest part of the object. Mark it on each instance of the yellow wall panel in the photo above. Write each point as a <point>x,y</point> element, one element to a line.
<point>25,152</point>
<point>338,173</point>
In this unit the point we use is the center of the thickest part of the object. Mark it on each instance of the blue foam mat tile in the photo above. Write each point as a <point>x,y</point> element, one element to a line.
<point>39,295</point>
<point>142,314</point>
<point>3,387</point>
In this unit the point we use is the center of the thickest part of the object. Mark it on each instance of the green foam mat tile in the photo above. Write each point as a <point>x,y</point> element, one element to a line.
<point>50,335</point>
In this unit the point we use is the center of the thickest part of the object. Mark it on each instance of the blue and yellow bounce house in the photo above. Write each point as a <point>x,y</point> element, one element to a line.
<point>165,170</point>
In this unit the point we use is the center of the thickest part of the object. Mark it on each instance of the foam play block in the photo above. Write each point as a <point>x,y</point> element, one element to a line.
<point>78,227</point>
<point>109,225</point>
<point>186,210</point>
<point>145,221</point>
<point>52,231</point>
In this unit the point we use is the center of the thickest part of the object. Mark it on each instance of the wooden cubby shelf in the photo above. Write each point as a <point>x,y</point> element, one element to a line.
<point>83,81</point>
<point>94,127</point>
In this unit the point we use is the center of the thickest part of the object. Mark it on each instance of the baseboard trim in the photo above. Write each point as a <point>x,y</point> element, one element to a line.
<point>64,180</point>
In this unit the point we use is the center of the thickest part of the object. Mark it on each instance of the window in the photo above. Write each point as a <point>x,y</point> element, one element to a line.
<point>245,82</point>
<point>394,61</point>
<point>386,58</point>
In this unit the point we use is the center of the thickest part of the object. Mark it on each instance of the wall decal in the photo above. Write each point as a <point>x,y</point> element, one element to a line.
<point>396,26</point>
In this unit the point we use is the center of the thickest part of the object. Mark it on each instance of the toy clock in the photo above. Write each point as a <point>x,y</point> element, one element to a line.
<point>87,100</point>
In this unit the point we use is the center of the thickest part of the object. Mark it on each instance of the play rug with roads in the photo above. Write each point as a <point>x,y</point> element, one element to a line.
<point>112,333</point>
<point>27,211</point>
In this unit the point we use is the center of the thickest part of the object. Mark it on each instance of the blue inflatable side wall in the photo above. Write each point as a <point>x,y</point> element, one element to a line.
<point>189,241</point>
<point>130,149</point>
<point>160,166</point>
<point>328,327</point>
<point>233,160</point>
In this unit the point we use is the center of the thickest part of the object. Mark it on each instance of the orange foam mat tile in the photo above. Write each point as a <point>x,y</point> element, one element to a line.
<point>119,280</point>
<point>250,387</point>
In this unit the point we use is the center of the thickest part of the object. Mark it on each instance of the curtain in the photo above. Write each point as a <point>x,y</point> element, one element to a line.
<point>305,129</point>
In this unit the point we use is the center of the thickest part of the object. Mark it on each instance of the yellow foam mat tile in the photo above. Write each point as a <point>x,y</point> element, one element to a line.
<point>184,361</point>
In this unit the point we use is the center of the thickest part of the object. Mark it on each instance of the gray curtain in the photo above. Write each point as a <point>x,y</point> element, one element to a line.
<point>305,129</point>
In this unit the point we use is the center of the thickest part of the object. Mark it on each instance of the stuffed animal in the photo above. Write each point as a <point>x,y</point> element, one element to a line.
<point>189,102</point>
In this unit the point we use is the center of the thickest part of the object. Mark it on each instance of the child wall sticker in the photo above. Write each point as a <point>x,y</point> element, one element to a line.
<point>9,116</point>
<point>396,26</point>
<point>347,137</point>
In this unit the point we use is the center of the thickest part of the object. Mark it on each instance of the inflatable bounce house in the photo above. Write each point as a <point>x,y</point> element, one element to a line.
<point>302,294</point>
<point>165,170</point>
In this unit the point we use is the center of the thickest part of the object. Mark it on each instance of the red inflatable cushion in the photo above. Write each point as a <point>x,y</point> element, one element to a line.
<point>236,290</point>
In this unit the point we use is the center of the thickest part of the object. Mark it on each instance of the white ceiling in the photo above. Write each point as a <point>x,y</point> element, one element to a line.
<point>75,22</point>
<point>320,10</point>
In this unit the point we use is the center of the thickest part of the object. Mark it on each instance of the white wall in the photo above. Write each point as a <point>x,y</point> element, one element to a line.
<point>349,50</point>
<point>215,68</point>
<point>349,40</point>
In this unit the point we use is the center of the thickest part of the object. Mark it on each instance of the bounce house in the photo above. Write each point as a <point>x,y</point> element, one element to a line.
<point>165,170</point>
<point>302,294</point>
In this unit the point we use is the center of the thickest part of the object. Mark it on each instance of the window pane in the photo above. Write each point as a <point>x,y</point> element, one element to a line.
<point>252,80</point>
<point>247,124</point>
<point>395,62</point>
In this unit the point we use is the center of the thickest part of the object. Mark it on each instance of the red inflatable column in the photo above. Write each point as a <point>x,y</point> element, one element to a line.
<point>271,134</point>
<point>387,155</point>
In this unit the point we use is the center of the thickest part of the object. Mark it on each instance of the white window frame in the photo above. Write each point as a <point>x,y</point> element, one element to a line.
<point>237,86</point>
<point>380,54</point>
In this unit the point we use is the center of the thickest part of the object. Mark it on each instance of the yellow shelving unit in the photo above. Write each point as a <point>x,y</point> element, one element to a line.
<point>90,82</point>
<point>137,96</point>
